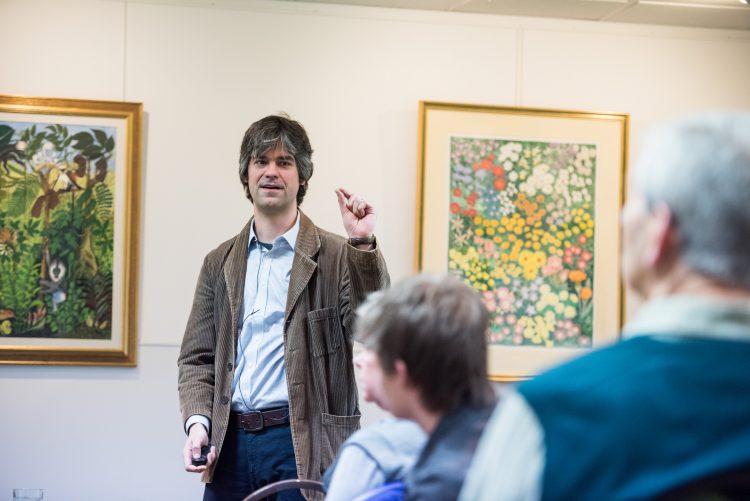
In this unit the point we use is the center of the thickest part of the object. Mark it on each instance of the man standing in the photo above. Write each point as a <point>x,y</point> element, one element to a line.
<point>665,413</point>
<point>265,368</point>
<point>425,360</point>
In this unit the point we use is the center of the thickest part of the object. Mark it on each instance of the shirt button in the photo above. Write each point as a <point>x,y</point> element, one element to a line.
<point>224,400</point>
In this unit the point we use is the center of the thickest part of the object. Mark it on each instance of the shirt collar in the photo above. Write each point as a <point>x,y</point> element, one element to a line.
<point>692,316</point>
<point>290,237</point>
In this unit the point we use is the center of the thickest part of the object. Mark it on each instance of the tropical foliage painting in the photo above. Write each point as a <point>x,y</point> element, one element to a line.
<point>521,231</point>
<point>56,230</point>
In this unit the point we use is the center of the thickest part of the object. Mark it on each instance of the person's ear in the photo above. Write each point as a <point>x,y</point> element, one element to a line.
<point>664,240</point>
<point>401,372</point>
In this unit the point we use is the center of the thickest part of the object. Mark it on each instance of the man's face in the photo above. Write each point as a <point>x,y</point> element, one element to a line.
<point>373,380</point>
<point>273,181</point>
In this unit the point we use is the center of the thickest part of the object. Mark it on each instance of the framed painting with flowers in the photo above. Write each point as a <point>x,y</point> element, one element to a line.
<point>69,200</point>
<point>523,205</point>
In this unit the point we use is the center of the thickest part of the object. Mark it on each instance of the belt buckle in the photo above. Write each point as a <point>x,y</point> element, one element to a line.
<point>252,421</point>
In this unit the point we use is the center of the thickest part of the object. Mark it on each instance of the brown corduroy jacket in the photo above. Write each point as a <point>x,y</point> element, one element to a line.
<point>329,279</point>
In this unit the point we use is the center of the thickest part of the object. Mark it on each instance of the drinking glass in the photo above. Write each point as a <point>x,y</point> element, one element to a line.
<point>28,494</point>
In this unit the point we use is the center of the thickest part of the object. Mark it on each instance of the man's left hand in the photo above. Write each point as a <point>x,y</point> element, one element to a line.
<point>358,216</point>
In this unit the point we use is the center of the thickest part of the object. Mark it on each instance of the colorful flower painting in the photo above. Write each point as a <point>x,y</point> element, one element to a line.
<point>521,231</point>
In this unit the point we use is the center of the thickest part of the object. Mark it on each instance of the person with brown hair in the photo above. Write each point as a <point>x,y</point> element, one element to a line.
<point>425,359</point>
<point>265,368</point>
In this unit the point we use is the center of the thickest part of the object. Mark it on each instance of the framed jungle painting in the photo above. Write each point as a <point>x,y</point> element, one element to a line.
<point>69,214</point>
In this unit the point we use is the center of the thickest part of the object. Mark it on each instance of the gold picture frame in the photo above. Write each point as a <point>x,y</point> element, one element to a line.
<point>523,205</point>
<point>69,239</point>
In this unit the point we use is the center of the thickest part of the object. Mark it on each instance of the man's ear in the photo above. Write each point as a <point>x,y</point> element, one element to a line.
<point>401,372</point>
<point>664,241</point>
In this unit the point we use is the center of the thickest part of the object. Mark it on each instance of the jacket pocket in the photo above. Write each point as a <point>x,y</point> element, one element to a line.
<point>335,430</point>
<point>331,363</point>
<point>325,331</point>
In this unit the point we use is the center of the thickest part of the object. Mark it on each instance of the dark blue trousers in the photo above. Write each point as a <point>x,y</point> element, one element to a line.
<point>251,460</point>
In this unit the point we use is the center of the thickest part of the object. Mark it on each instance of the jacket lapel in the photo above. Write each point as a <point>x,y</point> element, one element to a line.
<point>235,268</point>
<point>304,265</point>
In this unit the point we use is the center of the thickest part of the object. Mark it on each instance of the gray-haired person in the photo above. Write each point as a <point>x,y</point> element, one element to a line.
<point>666,412</point>
<point>425,360</point>
<point>265,368</point>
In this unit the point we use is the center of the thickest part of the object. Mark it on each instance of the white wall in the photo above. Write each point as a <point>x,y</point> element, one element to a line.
<point>354,77</point>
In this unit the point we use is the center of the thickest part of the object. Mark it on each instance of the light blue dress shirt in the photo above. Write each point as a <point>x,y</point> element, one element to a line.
<point>260,375</point>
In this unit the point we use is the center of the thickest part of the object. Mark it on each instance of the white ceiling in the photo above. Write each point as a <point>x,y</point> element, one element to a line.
<point>725,14</point>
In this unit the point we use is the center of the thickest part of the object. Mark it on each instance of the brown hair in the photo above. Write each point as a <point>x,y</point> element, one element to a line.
<point>272,131</point>
<point>438,327</point>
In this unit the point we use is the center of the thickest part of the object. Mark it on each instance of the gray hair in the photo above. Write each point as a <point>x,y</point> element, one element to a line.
<point>270,132</point>
<point>438,327</point>
<point>700,168</point>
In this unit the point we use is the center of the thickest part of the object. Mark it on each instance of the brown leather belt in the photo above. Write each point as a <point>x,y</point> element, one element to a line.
<point>257,420</point>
